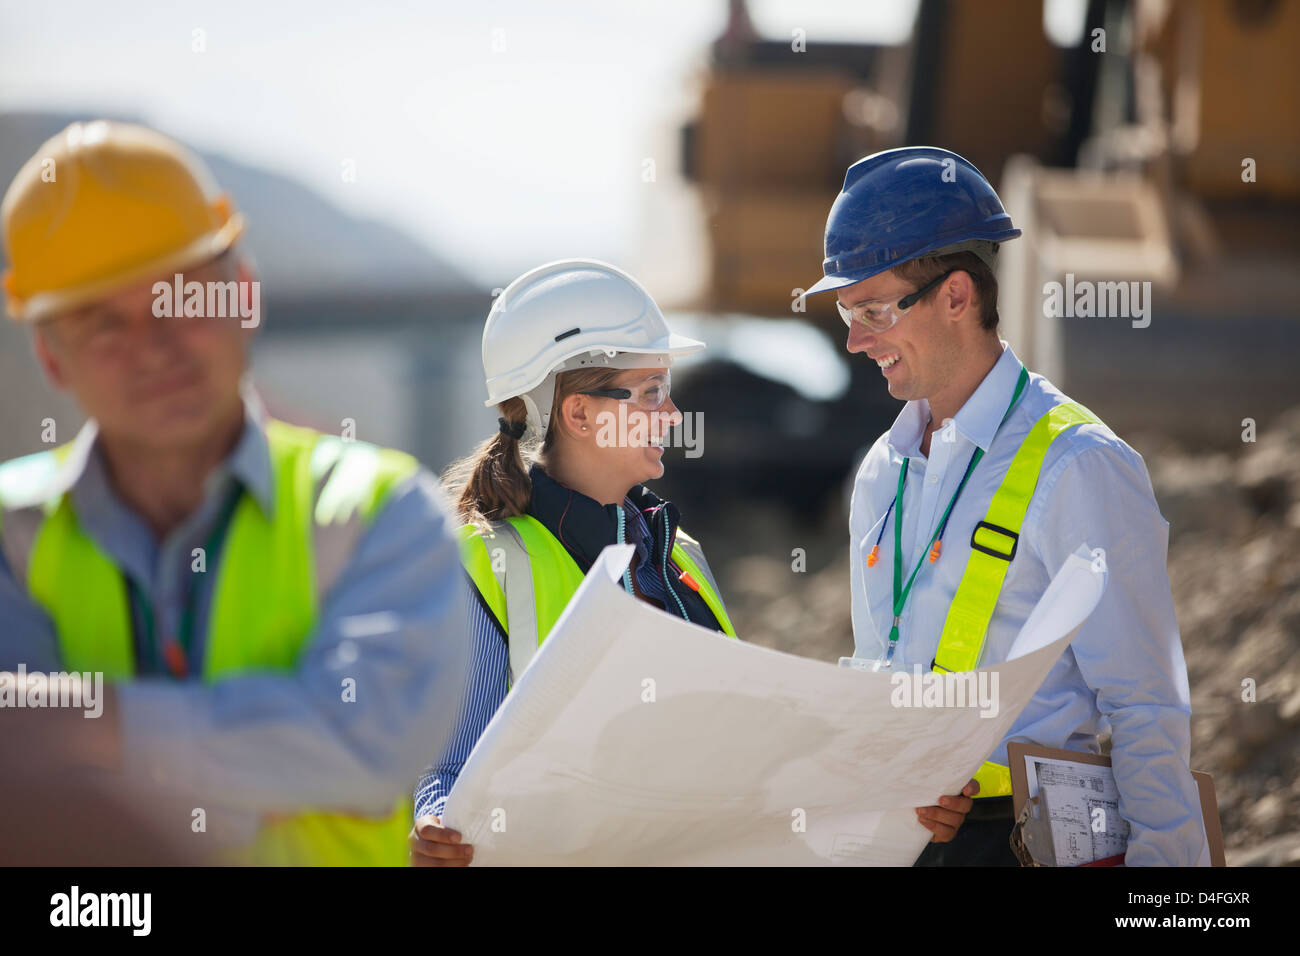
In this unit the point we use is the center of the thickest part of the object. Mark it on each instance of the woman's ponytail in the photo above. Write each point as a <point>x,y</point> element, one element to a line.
<point>492,484</point>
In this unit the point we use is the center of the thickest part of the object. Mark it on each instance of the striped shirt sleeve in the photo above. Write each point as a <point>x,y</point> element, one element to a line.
<point>485,690</point>
<point>649,570</point>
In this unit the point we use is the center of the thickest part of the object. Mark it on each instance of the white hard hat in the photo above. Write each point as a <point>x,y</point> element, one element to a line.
<point>565,315</point>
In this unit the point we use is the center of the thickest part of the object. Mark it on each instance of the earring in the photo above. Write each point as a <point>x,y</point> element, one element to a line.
<point>584,428</point>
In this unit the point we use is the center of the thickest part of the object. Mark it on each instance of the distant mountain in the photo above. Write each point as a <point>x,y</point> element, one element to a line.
<point>303,244</point>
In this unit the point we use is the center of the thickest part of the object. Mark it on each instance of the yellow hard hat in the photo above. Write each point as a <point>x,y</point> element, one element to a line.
<point>103,205</point>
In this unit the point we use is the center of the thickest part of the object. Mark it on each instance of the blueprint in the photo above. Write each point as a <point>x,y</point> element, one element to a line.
<point>1082,803</point>
<point>635,737</point>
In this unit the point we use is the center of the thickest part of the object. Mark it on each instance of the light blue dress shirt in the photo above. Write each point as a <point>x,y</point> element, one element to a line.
<point>394,621</point>
<point>1124,669</point>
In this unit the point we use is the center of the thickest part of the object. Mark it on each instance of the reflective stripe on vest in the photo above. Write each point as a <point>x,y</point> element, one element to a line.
<point>264,608</point>
<point>690,558</point>
<point>993,543</point>
<point>556,575</point>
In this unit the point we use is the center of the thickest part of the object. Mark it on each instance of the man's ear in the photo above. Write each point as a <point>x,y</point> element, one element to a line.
<point>244,270</point>
<point>959,293</point>
<point>246,273</point>
<point>47,354</point>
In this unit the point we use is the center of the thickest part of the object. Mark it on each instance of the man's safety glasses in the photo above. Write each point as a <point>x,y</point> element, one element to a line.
<point>650,394</point>
<point>881,315</point>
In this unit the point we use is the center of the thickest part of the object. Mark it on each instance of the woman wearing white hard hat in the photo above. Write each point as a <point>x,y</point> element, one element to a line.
<point>577,358</point>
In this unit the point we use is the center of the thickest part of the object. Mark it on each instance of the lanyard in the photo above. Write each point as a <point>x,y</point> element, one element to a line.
<point>175,650</point>
<point>901,591</point>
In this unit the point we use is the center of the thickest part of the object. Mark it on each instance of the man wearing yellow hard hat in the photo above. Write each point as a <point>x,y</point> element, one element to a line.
<point>279,613</point>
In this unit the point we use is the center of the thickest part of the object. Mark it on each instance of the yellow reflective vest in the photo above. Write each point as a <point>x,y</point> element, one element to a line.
<point>993,544</point>
<point>556,576</point>
<point>264,606</point>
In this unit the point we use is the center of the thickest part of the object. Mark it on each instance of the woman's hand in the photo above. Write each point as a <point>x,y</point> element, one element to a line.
<point>433,844</point>
<point>946,819</point>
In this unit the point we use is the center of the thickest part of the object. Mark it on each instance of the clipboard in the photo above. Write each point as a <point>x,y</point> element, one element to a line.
<point>1017,752</point>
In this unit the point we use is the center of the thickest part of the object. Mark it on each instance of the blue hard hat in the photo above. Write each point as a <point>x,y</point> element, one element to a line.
<point>906,203</point>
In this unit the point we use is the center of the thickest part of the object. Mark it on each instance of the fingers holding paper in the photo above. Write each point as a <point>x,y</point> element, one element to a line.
<point>946,819</point>
<point>433,844</point>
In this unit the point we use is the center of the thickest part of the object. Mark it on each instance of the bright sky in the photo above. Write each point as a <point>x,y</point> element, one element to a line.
<point>498,133</point>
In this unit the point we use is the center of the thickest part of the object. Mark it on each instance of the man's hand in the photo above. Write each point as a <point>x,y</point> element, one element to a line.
<point>432,844</point>
<point>55,736</point>
<point>946,819</point>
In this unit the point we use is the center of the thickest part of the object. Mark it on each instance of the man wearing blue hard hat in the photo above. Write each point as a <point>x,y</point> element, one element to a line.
<point>953,539</point>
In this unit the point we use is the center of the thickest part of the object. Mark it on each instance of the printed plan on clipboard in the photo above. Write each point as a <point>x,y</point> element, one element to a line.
<point>1081,804</point>
<point>1067,805</point>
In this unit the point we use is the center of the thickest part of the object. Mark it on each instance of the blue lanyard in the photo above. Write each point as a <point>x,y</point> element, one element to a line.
<point>935,545</point>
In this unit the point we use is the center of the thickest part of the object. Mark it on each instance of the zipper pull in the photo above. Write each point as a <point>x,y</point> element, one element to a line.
<point>628,586</point>
<point>689,581</point>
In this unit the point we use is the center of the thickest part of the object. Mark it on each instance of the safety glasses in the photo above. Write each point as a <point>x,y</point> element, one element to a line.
<point>650,394</point>
<point>881,315</point>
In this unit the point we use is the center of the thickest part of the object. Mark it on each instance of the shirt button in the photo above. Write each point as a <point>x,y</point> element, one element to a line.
<point>934,479</point>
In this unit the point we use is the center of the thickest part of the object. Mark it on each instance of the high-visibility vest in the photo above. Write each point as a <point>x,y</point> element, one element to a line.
<point>552,576</point>
<point>962,641</point>
<point>272,573</point>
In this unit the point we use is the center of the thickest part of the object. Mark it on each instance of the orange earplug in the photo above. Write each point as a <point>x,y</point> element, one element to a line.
<point>175,659</point>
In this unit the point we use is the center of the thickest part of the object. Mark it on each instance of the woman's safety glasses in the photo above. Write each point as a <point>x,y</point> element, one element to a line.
<point>650,394</point>
<point>881,315</point>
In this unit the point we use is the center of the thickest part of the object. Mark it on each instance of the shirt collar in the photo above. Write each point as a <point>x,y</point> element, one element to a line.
<point>585,527</point>
<point>983,412</point>
<point>909,426</point>
<point>249,463</point>
<point>977,420</point>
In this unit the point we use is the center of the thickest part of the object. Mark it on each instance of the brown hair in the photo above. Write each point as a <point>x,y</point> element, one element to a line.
<point>492,483</point>
<point>921,271</point>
